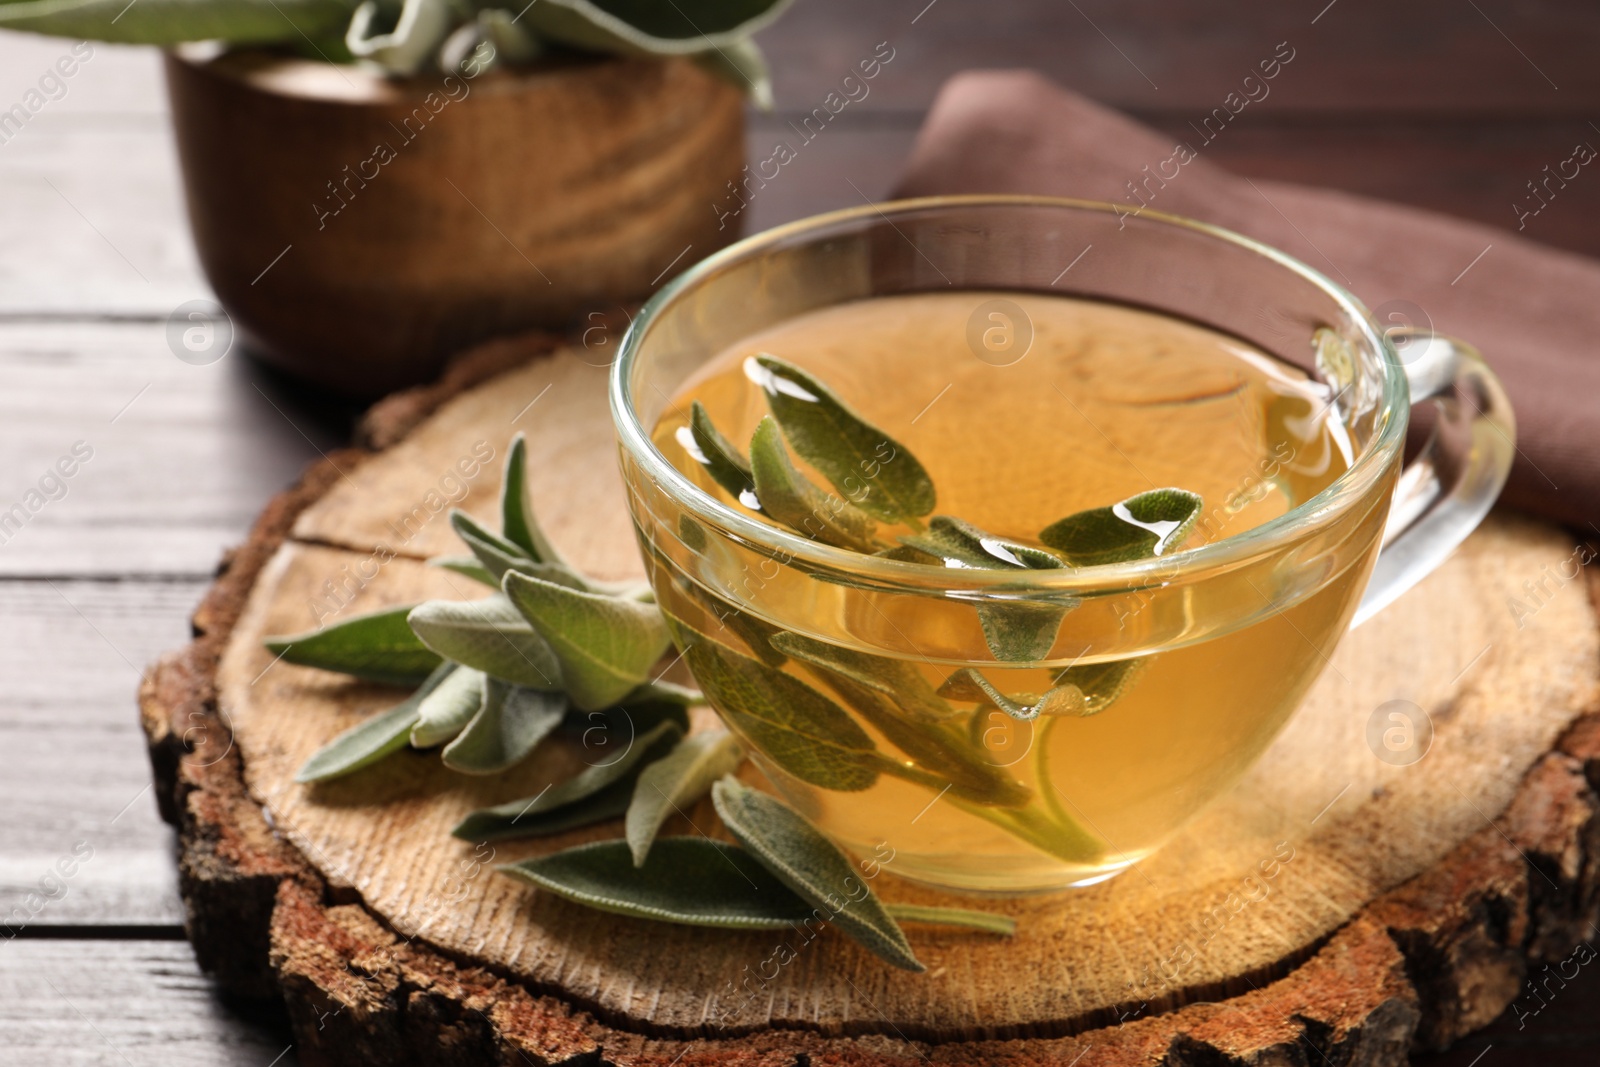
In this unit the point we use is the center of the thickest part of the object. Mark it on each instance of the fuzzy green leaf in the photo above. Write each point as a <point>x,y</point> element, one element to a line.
<point>793,725</point>
<point>403,47</point>
<point>814,867</point>
<point>1018,631</point>
<point>378,646</point>
<point>467,566</point>
<point>1101,683</point>
<point>960,544</point>
<point>969,684</point>
<point>517,522</point>
<point>490,635</point>
<point>171,22</point>
<point>895,700</point>
<point>691,880</point>
<point>371,740</point>
<point>719,456</point>
<point>606,645</point>
<point>1149,524</point>
<point>445,712</point>
<point>789,497</point>
<point>597,793</point>
<point>676,781</point>
<point>499,555</point>
<point>875,472</point>
<point>509,726</point>
<point>987,921</point>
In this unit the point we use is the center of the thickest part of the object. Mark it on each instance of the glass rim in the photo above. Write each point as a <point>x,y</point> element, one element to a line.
<point>1343,492</point>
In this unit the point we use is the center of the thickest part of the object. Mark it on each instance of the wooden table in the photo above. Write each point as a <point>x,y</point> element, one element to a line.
<point>1449,104</point>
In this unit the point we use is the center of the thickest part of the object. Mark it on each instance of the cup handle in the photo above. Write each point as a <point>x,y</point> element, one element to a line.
<point>1445,492</point>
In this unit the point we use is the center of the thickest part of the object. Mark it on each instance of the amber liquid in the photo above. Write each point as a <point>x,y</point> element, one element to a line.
<point>1108,401</point>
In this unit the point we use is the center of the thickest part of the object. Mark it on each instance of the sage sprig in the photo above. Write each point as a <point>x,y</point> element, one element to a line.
<point>676,781</point>
<point>500,674</point>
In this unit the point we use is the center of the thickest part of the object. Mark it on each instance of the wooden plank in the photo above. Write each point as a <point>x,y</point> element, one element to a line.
<point>100,1003</point>
<point>82,843</point>
<point>180,456</point>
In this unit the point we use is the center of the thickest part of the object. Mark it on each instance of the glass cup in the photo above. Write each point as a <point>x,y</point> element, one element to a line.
<point>825,662</point>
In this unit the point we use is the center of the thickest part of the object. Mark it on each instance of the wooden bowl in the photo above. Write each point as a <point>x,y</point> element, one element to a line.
<point>358,229</point>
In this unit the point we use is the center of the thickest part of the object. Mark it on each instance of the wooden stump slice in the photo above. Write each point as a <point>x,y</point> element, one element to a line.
<point>1340,897</point>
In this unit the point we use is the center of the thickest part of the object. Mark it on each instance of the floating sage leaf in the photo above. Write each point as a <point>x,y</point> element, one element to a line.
<point>517,522</point>
<point>789,497</point>
<point>372,739</point>
<point>720,456</point>
<point>987,921</point>
<point>377,646</point>
<point>691,880</point>
<point>1144,525</point>
<point>468,566</point>
<point>1021,631</point>
<point>969,684</point>
<point>509,725</point>
<point>814,867</point>
<point>895,678</point>
<point>235,21</point>
<point>895,700</point>
<point>1016,631</point>
<point>676,781</point>
<point>876,473</point>
<point>794,726</point>
<point>960,543</point>
<point>445,712</point>
<point>606,645</point>
<point>1101,683</point>
<point>490,635</point>
<point>597,793</point>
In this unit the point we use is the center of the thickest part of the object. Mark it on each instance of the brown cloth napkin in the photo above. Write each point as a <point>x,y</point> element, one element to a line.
<point>1534,312</point>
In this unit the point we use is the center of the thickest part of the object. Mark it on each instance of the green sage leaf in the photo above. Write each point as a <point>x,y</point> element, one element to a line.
<point>606,645</point>
<point>517,522</point>
<point>1016,631</point>
<point>718,455</point>
<point>793,725</point>
<point>377,646</point>
<point>813,867</point>
<point>445,712</point>
<point>496,553</point>
<point>597,793</point>
<point>411,41</point>
<point>789,497</point>
<point>923,733</point>
<point>509,726</point>
<point>969,684</point>
<point>894,678</point>
<point>467,566</point>
<point>1021,631</point>
<point>676,781</point>
<point>1101,683</point>
<point>171,22</point>
<point>690,880</point>
<point>372,739</point>
<point>961,544</point>
<point>872,470</point>
<point>490,635</point>
<point>987,921</point>
<point>1149,524</point>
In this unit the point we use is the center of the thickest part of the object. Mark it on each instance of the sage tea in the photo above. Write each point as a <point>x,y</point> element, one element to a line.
<point>1019,740</point>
